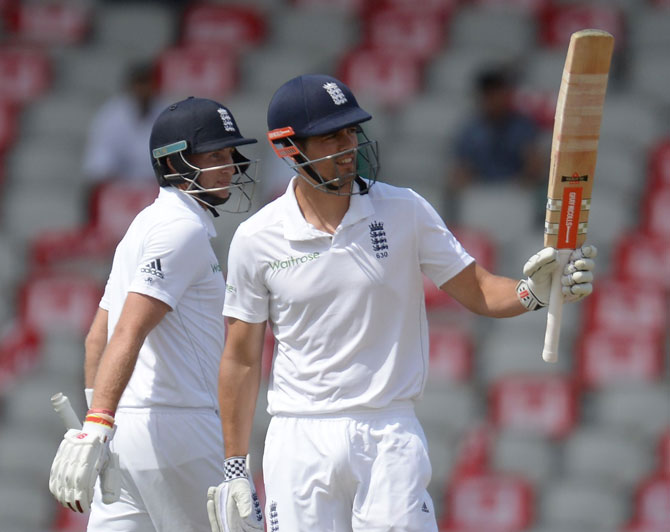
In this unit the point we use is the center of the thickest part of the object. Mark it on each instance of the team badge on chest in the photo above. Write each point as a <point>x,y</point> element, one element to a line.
<point>378,239</point>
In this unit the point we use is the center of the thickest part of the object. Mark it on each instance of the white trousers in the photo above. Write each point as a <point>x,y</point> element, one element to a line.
<point>362,472</point>
<point>168,457</point>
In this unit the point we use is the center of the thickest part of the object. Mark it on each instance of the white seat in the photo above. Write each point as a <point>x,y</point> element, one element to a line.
<point>454,71</point>
<point>638,408</point>
<point>579,505</point>
<point>330,30</point>
<point>30,208</point>
<point>449,409</point>
<point>46,159</point>
<point>17,496</point>
<point>93,71</point>
<point>59,114</point>
<point>28,451</point>
<point>508,29</point>
<point>137,29</point>
<point>610,456</point>
<point>624,112</point>
<point>506,212</point>
<point>543,69</point>
<point>533,457</point>
<point>650,76</point>
<point>612,213</point>
<point>512,348</point>
<point>648,29</point>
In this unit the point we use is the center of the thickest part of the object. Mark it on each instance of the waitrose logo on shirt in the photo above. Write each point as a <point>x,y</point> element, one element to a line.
<point>289,262</point>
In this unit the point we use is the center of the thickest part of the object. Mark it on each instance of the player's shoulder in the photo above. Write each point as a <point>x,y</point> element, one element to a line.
<point>270,215</point>
<point>386,192</point>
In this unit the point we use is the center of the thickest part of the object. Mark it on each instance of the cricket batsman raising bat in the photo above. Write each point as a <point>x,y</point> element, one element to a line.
<point>573,160</point>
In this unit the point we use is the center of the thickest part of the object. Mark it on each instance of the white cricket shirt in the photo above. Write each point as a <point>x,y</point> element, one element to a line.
<point>347,310</point>
<point>166,254</point>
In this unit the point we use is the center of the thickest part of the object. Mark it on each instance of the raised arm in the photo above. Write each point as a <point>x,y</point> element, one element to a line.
<point>484,293</point>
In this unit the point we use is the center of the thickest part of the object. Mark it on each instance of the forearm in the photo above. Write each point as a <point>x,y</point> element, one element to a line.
<point>115,369</point>
<point>96,341</point>
<point>238,392</point>
<point>499,299</point>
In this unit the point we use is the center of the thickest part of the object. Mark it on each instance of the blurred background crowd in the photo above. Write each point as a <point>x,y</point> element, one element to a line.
<point>463,95</point>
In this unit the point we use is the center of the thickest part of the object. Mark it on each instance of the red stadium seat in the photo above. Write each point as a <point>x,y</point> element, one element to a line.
<point>68,521</point>
<point>656,213</point>
<point>450,354</point>
<point>209,72</point>
<point>51,23</point>
<point>405,29</point>
<point>531,6</point>
<point>8,125</point>
<point>643,258</point>
<point>559,21</point>
<point>492,503</point>
<point>25,73</point>
<point>540,404</point>
<point>391,77</point>
<point>352,6</point>
<point>437,8</point>
<point>19,351</point>
<point>474,453</point>
<point>237,27</point>
<point>606,357</point>
<point>626,307</point>
<point>664,453</point>
<point>115,204</point>
<point>60,249</point>
<point>652,505</point>
<point>659,165</point>
<point>59,302</point>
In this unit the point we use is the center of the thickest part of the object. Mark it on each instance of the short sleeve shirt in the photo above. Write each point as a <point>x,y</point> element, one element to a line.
<point>347,310</point>
<point>166,254</point>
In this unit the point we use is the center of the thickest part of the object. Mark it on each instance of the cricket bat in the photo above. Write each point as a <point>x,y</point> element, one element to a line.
<point>574,150</point>
<point>61,405</point>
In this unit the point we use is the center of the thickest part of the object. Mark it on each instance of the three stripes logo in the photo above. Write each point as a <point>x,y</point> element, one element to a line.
<point>153,268</point>
<point>274,517</point>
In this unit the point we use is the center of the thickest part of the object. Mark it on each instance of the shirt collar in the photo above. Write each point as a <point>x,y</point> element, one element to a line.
<point>297,228</point>
<point>176,197</point>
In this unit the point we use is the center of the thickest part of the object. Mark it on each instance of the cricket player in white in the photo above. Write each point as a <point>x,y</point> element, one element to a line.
<point>335,266</point>
<point>153,351</point>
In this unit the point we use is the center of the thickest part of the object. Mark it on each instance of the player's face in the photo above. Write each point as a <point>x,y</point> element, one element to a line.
<point>316,148</point>
<point>217,169</point>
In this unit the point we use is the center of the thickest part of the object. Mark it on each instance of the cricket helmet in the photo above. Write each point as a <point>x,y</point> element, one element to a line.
<point>200,125</point>
<point>313,105</point>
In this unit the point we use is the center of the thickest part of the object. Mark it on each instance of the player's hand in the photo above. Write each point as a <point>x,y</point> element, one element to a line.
<point>577,276</point>
<point>82,456</point>
<point>233,505</point>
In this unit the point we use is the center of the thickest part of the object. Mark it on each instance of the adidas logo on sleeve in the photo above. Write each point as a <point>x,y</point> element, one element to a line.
<point>153,268</point>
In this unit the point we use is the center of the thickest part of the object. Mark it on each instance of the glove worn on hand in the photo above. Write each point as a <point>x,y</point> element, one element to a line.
<point>577,277</point>
<point>233,505</point>
<point>82,456</point>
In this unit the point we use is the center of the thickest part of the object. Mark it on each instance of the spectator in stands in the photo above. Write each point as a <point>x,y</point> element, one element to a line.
<point>497,145</point>
<point>119,133</point>
<point>153,350</point>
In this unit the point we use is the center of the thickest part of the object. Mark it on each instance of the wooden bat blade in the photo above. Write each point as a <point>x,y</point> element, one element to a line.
<point>574,150</point>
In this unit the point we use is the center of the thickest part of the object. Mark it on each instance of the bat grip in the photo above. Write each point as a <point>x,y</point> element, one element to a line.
<point>61,404</point>
<point>555,309</point>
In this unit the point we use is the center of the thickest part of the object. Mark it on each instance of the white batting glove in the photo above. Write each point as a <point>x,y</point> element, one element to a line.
<point>577,277</point>
<point>233,505</point>
<point>82,456</point>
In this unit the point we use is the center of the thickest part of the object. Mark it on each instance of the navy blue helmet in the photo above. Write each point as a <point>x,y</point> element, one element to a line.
<point>200,125</point>
<point>313,105</point>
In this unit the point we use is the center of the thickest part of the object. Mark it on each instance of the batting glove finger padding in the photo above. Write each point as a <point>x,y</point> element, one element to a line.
<point>80,459</point>
<point>233,505</point>
<point>577,278</point>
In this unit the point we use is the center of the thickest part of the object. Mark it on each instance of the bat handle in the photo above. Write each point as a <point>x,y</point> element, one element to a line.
<point>555,310</point>
<point>61,404</point>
